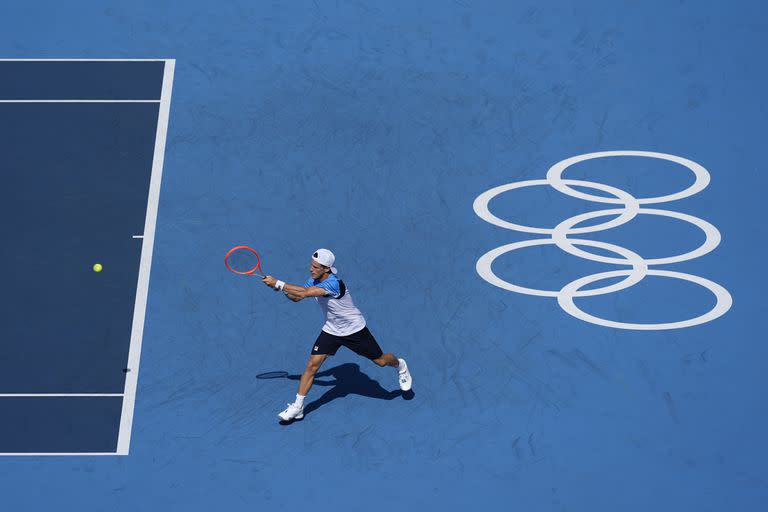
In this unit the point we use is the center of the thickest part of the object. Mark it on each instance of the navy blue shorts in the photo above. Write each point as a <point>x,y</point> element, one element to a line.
<point>361,342</point>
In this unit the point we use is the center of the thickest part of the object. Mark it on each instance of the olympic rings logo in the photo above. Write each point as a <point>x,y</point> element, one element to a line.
<point>631,207</point>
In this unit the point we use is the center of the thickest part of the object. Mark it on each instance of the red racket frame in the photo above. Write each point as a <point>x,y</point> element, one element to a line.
<point>251,272</point>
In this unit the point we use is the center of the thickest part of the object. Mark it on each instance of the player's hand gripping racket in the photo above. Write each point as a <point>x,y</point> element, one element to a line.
<point>244,261</point>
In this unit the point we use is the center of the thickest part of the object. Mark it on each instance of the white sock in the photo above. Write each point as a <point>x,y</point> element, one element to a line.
<point>401,365</point>
<point>299,400</point>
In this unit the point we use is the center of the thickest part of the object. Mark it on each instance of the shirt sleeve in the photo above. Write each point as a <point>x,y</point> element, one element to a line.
<point>331,287</point>
<point>308,283</point>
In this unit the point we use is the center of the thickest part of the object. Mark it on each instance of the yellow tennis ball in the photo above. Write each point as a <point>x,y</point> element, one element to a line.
<point>97,267</point>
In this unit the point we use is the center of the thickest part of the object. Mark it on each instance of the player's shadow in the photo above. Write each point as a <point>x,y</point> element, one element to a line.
<point>349,380</point>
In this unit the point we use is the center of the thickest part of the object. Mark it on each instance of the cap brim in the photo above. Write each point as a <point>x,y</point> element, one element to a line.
<point>333,270</point>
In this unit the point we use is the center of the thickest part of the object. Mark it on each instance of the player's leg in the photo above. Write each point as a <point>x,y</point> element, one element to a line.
<point>364,344</point>
<point>325,345</point>
<point>295,410</point>
<point>387,360</point>
<point>308,377</point>
<point>404,378</point>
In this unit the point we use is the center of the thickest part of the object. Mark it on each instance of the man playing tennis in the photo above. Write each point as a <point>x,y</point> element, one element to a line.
<point>344,326</point>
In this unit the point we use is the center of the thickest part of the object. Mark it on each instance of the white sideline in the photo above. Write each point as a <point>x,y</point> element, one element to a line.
<point>139,310</point>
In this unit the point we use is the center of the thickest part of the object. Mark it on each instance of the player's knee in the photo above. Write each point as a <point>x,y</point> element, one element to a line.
<point>312,368</point>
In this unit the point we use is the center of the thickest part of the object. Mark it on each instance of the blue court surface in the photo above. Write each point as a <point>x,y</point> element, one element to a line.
<point>553,210</point>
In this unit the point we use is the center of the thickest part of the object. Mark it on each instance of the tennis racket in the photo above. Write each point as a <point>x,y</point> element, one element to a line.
<point>244,261</point>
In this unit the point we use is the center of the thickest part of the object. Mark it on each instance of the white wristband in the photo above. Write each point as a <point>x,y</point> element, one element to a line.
<point>279,285</point>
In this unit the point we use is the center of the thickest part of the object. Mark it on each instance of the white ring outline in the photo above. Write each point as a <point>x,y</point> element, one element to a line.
<point>560,235</point>
<point>480,205</point>
<point>634,275</point>
<point>569,291</point>
<point>554,176</point>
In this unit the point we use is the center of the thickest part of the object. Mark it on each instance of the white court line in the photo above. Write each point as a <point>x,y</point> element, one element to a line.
<point>140,308</point>
<point>137,236</point>
<point>79,101</point>
<point>78,395</point>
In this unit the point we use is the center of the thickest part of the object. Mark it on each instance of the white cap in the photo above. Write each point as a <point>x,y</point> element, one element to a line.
<point>325,258</point>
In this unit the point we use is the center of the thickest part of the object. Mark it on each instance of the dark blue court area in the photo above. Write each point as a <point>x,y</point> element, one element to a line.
<point>76,175</point>
<point>553,210</point>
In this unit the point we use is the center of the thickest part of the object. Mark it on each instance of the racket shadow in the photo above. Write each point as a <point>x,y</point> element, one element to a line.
<point>273,375</point>
<point>349,380</point>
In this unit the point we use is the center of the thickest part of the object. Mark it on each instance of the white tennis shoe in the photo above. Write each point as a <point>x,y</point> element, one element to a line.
<point>404,376</point>
<point>293,412</point>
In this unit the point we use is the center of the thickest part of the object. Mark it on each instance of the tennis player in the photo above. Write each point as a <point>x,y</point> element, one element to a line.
<point>344,326</point>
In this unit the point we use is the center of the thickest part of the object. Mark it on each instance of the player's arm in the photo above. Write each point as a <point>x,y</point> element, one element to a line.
<point>294,292</point>
<point>297,293</point>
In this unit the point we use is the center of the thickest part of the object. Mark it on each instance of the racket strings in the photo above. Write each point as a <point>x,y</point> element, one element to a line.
<point>243,260</point>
